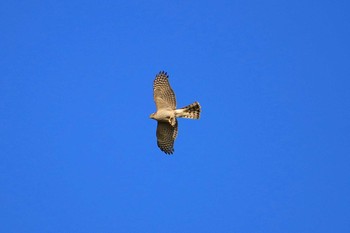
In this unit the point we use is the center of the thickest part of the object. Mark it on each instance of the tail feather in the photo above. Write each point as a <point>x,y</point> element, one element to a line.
<point>191,111</point>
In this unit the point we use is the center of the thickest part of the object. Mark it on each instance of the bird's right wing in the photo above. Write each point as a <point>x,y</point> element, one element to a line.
<point>166,135</point>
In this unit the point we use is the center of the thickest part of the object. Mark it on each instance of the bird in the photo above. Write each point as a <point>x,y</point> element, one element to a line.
<point>167,114</point>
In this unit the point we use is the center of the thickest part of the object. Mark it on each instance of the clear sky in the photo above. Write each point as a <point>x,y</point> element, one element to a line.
<point>271,151</point>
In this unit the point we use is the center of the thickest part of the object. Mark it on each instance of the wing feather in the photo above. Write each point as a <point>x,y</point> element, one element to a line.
<point>166,135</point>
<point>163,95</point>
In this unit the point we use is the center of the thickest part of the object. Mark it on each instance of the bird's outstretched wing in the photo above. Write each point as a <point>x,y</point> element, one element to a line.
<point>163,95</point>
<point>166,135</point>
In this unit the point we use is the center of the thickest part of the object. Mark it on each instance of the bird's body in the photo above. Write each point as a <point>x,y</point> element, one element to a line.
<point>167,113</point>
<point>163,114</point>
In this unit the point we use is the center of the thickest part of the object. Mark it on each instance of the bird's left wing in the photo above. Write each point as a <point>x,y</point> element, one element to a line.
<point>163,95</point>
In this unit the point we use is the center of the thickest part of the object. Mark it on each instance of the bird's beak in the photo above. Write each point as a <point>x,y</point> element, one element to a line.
<point>151,116</point>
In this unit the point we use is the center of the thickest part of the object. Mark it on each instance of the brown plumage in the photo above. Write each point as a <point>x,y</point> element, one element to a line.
<point>167,113</point>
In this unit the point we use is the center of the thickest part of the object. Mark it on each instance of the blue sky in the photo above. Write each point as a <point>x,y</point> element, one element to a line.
<point>269,154</point>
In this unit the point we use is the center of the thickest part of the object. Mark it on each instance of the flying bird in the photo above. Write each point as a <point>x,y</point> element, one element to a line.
<point>167,113</point>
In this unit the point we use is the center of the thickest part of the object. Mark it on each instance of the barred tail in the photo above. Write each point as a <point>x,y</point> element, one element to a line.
<point>191,111</point>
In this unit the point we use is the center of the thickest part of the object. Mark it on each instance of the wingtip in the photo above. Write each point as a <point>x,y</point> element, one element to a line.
<point>168,152</point>
<point>162,72</point>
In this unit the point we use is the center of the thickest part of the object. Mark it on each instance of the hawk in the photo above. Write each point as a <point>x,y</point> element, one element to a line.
<point>167,113</point>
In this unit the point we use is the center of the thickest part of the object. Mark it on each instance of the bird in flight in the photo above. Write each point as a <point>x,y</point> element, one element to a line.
<point>167,113</point>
